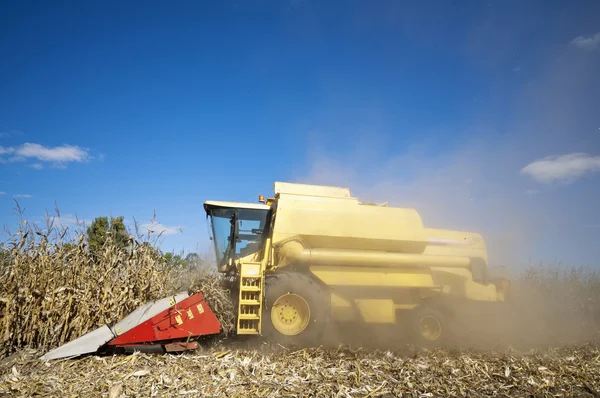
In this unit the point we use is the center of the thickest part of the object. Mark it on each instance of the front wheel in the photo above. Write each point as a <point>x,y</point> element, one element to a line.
<point>295,309</point>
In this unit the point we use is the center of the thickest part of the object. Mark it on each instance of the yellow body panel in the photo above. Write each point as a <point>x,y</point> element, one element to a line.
<point>341,308</point>
<point>349,276</point>
<point>343,223</point>
<point>377,310</point>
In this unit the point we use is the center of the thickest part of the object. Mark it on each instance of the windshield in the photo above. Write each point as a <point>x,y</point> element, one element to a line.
<point>248,225</point>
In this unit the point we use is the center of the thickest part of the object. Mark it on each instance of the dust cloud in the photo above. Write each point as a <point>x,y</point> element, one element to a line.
<point>477,189</point>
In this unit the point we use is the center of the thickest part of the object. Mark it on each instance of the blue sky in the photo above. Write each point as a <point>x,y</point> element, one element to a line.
<point>482,115</point>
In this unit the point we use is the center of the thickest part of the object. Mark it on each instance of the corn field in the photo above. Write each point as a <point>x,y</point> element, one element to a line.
<point>565,302</point>
<point>54,290</point>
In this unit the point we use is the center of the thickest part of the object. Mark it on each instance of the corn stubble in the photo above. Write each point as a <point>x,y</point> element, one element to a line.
<point>277,372</point>
<point>53,291</point>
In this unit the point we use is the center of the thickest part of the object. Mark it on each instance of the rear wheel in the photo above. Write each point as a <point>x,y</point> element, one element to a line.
<point>295,309</point>
<point>429,327</point>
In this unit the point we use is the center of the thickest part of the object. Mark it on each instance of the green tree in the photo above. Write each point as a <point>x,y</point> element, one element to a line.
<point>69,246</point>
<point>198,261</point>
<point>193,259</point>
<point>101,229</point>
<point>174,260</point>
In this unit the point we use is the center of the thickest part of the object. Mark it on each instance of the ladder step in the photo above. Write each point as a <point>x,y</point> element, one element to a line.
<point>250,288</point>
<point>249,316</point>
<point>249,302</point>
<point>247,331</point>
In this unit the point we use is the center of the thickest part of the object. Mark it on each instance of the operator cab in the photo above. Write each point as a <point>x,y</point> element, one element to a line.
<point>237,229</point>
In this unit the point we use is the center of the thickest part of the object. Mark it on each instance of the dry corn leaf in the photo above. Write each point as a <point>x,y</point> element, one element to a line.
<point>115,390</point>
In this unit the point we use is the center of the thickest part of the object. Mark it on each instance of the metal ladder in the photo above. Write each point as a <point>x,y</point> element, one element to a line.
<point>250,300</point>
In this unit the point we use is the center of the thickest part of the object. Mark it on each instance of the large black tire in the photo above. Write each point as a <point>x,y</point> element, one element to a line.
<point>277,286</point>
<point>429,327</point>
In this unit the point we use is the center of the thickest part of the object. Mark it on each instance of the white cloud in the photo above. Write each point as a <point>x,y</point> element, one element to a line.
<point>532,192</point>
<point>22,195</point>
<point>2,193</point>
<point>58,155</point>
<point>64,153</point>
<point>37,166</point>
<point>587,43</point>
<point>562,168</point>
<point>158,228</point>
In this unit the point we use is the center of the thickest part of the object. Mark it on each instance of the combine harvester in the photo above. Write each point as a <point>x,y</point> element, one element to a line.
<point>310,257</point>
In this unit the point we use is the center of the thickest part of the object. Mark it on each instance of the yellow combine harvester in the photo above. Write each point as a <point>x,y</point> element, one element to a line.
<point>312,255</point>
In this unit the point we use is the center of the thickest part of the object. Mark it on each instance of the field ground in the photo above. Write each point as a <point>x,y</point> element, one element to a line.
<point>236,370</point>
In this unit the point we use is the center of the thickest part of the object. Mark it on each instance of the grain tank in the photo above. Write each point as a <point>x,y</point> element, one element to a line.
<point>315,255</point>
